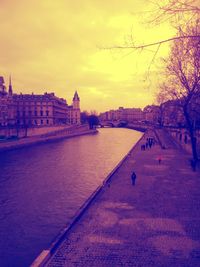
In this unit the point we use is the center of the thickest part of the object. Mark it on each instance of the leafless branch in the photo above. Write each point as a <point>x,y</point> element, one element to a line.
<point>154,43</point>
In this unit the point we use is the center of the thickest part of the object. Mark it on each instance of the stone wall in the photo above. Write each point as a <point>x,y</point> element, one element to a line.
<point>33,131</point>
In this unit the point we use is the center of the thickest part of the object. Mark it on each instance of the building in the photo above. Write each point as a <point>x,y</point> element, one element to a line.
<point>74,110</point>
<point>5,104</point>
<point>172,114</point>
<point>123,114</point>
<point>36,110</point>
<point>130,114</point>
<point>152,114</point>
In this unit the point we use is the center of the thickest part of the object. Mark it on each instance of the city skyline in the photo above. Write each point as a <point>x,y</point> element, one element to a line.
<point>58,47</point>
<point>24,93</point>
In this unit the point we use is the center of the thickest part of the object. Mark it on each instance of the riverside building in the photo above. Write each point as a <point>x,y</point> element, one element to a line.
<point>36,109</point>
<point>125,114</point>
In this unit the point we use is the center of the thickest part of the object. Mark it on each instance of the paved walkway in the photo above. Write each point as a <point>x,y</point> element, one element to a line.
<point>154,223</point>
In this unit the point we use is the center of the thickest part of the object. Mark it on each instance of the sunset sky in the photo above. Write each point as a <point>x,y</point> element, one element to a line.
<point>57,46</point>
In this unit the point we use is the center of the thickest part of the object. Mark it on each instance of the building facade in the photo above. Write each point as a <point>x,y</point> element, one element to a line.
<point>74,110</point>
<point>130,115</point>
<point>5,104</point>
<point>36,110</point>
<point>151,114</point>
<point>172,114</point>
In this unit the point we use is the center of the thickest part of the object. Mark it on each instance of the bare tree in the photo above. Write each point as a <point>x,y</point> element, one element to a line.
<point>84,117</point>
<point>178,12</point>
<point>93,121</point>
<point>175,11</point>
<point>183,76</point>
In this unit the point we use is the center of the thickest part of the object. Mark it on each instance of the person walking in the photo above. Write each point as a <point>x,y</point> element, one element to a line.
<point>159,160</point>
<point>133,178</point>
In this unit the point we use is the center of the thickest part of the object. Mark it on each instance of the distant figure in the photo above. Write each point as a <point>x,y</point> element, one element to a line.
<point>133,178</point>
<point>185,139</point>
<point>193,164</point>
<point>150,142</point>
<point>159,160</point>
<point>142,147</point>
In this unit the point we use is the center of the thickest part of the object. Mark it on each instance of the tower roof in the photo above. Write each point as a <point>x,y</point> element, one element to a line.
<point>76,97</point>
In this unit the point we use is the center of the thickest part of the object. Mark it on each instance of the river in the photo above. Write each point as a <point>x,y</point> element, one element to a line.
<point>42,186</point>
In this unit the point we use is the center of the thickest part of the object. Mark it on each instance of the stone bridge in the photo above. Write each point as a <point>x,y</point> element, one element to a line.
<point>112,123</point>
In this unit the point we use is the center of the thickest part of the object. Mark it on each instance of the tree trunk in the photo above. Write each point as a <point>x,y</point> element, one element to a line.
<point>192,134</point>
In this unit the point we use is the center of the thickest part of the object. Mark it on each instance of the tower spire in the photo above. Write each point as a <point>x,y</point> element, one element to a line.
<point>76,101</point>
<point>10,91</point>
<point>76,97</point>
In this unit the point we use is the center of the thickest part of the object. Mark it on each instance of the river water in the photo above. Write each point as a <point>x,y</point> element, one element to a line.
<point>42,186</point>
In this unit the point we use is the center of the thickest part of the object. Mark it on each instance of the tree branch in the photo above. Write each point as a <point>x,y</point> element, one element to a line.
<point>155,43</point>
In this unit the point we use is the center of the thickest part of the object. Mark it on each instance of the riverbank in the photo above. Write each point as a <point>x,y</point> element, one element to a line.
<point>44,138</point>
<point>141,225</point>
<point>139,128</point>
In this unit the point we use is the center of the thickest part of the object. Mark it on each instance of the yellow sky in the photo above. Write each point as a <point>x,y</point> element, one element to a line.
<point>55,46</point>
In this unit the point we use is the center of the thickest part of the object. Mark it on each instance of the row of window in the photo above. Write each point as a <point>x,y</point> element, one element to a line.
<point>34,122</point>
<point>73,121</point>
<point>29,104</point>
<point>41,122</point>
<point>35,113</point>
<point>25,103</point>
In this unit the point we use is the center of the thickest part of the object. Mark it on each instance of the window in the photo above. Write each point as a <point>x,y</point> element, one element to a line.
<point>47,113</point>
<point>35,112</point>
<point>41,121</point>
<point>35,121</point>
<point>47,121</point>
<point>41,113</point>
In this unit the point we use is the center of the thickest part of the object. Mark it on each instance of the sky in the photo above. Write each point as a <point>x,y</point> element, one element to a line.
<point>64,45</point>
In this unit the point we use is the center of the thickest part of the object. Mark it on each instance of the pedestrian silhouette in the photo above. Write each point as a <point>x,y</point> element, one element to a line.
<point>133,178</point>
<point>193,164</point>
<point>159,160</point>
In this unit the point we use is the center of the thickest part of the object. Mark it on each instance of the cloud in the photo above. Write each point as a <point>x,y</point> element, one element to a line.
<point>54,46</point>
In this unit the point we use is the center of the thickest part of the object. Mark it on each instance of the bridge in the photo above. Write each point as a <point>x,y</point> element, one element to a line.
<point>112,123</point>
<point>139,126</point>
